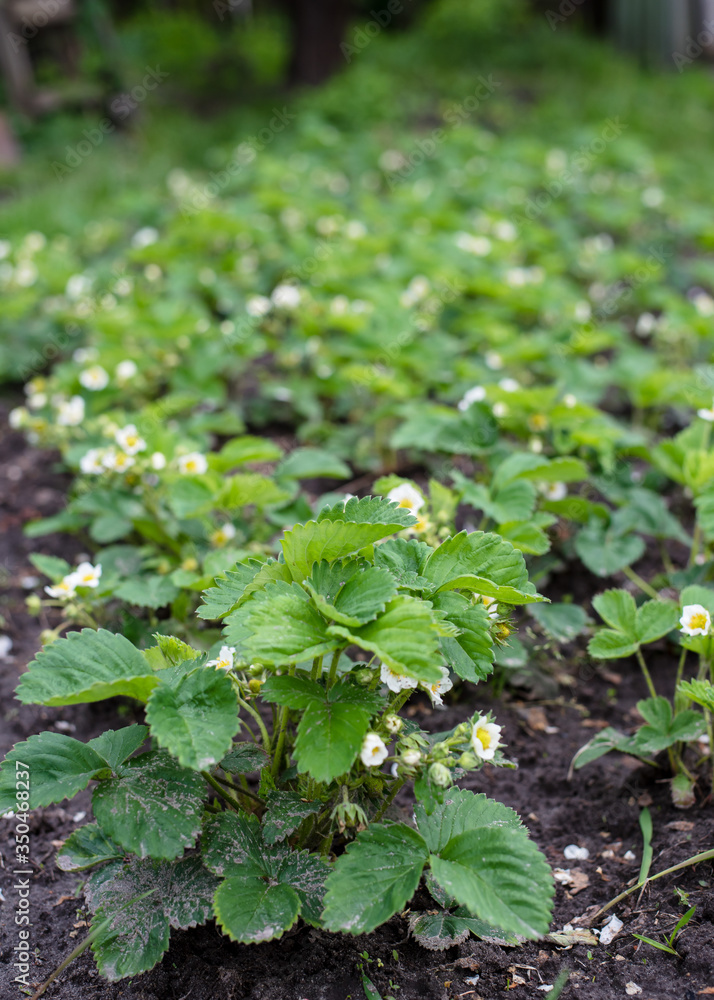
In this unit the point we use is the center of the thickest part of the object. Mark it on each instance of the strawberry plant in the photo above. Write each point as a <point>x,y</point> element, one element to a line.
<point>321,649</point>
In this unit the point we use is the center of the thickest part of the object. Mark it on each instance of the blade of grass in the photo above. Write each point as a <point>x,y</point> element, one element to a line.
<point>647,853</point>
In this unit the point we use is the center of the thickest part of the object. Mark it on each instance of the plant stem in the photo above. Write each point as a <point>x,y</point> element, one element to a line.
<point>241,791</point>
<point>678,704</point>
<point>642,584</point>
<point>220,791</point>
<point>388,801</point>
<point>333,668</point>
<point>261,725</point>
<point>316,671</point>
<point>645,671</point>
<point>704,856</point>
<point>280,742</point>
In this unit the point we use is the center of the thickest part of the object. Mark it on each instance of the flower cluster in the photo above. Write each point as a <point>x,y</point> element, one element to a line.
<point>85,575</point>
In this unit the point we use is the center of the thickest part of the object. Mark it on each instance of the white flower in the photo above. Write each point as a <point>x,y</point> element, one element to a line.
<point>652,197</point>
<point>193,464</point>
<point>223,534</point>
<point>257,306</point>
<point>394,681</point>
<point>117,461</point>
<point>144,237</point>
<point>129,440</point>
<point>373,752</point>
<point>224,661</point>
<point>158,461</point>
<point>493,360</point>
<point>554,491</point>
<point>407,496</point>
<point>707,414</point>
<point>355,229</point>
<point>286,296</point>
<point>77,286</point>
<point>695,620</point>
<point>480,246</point>
<point>646,323</point>
<point>509,385</point>
<point>704,304</point>
<point>505,230</point>
<point>5,646</point>
<point>436,690</point>
<point>570,400</point>
<point>94,378</point>
<point>92,462</point>
<point>25,274</point>
<point>87,575</point>
<point>126,370</point>
<point>392,723</point>
<point>66,589</point>
<point>37,400</point>
<point>17,417</point>
<point>500,410</point>
<point>84,354</point>
<point>486,738</point>
<point>476,394</point>
<point>490,604</point>
<point>411,757</point>
<point>70,412</point>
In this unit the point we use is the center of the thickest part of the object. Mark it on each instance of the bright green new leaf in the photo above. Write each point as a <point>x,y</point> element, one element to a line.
<point>662,729</point>
<point>608,644</point>
<point>86,666</point>
<point>618,609</point>
<point>470,653</point>
<point>281,626</point>
<point>374,879</point>
<point>248,489</point>
<point>655,619</point>
<point>221,599</point>
<point>350,593</point>
<point>461,810</point>
<point>484,563</point>
<point>194,716</point>
<point>702,692</point>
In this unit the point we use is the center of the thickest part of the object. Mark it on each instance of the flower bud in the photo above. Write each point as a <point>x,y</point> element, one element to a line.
<point>392,723</point>
<point>34,604</point>
<point>190,564</point>
<point>363,676</point>
<point>256,670</point>
<point>463,729</point>
<point>439,751</point>
<point>47,636</point>
<point>255,685</point>
<point>468,761</point>
<point>410,758</point>
<point>440,775</point>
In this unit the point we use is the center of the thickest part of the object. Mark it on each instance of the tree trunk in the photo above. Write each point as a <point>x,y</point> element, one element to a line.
<point>317,28</point>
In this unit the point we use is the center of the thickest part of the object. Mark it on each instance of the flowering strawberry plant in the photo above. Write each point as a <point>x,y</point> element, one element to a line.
<point>268,790</point>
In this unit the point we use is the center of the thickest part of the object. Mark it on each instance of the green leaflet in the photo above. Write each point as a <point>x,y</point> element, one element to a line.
<point>280,626</point>
<point>374,879</point>
<point>606,740</point>
<point>662,729</point>
<point>221,599</point>
<point>86,666</point>
<point>562,622</point>
<point>350,593</point>
<point>442,929</point>
<point>484,563</point>
<point>86,847</point>
<point>285,813</point>
<point>175,894</point>
<point>470,654</point>
<point>500,876</point>
<point>460,811</point>
<point>151,591</point>
<point>58,766</point>
<point>405,560</point>
<point>604,552</point>
<point>194,716</point>
<point>312,463</point>
<point>404,638</point>
<point>631,626</point>
<point>702,692</point>
<point>244,758</point>
<point>152,807</point>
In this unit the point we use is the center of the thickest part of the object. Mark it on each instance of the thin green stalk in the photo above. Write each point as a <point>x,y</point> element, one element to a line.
<point>220,791</point>
<point>388,801</point>
<point>332,677</point>
<point>261,725</point>
<point>679,703</point>
<point>704,856</point>
<point>399,699</point>
<point>240,791</point>
<point>642,584</point>
<point>645,671</point>
<point>316,671</point>
<point>280,742</point>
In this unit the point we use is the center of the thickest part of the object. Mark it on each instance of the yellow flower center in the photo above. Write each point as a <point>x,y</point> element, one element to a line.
<point>485,737</point>
<point>191,466</point>
<point>375,750</point>
<point>132,440</point>
<point>698,620</point>
<point>406,503</point>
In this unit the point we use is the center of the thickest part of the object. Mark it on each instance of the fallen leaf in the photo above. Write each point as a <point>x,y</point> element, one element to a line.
<point>578,881</point>
<point>645,799</point>
<point>707,989</point>
<point>62,899</point>
<point>684,826</point>
<point>536,719</point>
<point>572,936</point>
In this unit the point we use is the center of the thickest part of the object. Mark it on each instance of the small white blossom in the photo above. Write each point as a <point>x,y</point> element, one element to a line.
<point>70,412</point>
<point>493,360</point>
<point>436,690</point>
<point>394,681</point>
<point>144,237</point>
<point>373,752</point>
<point>407,496</point>
<point>117,461</point>
<point>480,246</point>
<point>486,738</point>
<point>158,461</point>
<point>94,378</point>
<point>37,400</point>
<point>5,646</point>
<point>224,660</point>
<point>129,440</point>
<point>286,296</point>
<point>88,575</point>
<point>257,306</point>
<point>65,590</point>
<point>509,385</point>
<point>704,304</point>
<point>695,620</point>
<point>126,370</point>
<point>570,400</point>
<point>554,491</point>
<point>707,414</point>
<point>582,311</point>
<point>652,197</point>
<point>500,410</point>
<point>392,723</point>
<point>411,758</point>
<point>646,323</point>
<point>223,534</point>
<point>17,417</point>
<point>476,394</point>
<point>92,462</point>
<point>77,286</point>
<point>505,230</point>
<point>193,464</point>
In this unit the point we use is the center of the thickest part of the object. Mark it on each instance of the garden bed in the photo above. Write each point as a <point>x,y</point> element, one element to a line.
<point>597,809</point>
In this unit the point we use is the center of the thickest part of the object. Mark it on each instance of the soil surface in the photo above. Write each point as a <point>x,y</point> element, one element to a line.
<point>598,809</point>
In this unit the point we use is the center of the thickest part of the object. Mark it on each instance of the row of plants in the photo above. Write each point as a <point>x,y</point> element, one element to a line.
<point>505,344</point>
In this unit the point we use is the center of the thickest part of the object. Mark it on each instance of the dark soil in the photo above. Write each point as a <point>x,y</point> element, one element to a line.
<point>598,809</point>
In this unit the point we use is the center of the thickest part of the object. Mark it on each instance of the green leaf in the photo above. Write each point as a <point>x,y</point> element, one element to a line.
<point>499,874</point>
<point>525,536</point>
<point>604,552</point>
<point>244,449</point>
<point>59,767</point>
<point>190,495</point>
<point>86,847</point>
<point>244,758</point>
<point>618,609</point>
<point>484,563</point>
<point>248,489</point>
<point>662,730</point>
<point>441,929</point>
<point>655,619</point>
<point>369,510</point>
<point>51,566</point>
<point>194,716</point>
<point>174,650</point>
<point>404,638</point>
<point>460,811</point>
<point>405,560</point>
<point>312,463</point>
<point>470,654</point>
<point>562,622</point>
<point>251,910</point>
<point>702,692</point>
<point>153,806</point>
<point>86,666</point>
<point>295,692</point>
<point>329,539</point>
<point>374,879</point>
<point>218,601</point>
<point>350,593</point>
<point>646,512</point>
<point>151,591</point>
<point>606,740</point>
<point>281,626</point>
<point>285,813</point>
<point>115,746</point>
<point>175,894</point>
<point>607,644</point>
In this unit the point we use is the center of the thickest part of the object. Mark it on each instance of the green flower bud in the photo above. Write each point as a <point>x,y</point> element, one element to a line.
<point>392,723</point>
<point>440,775</point>
<point>34,604</point>
<point>468,761</point>
<point>363,676</point>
